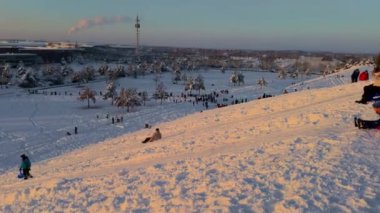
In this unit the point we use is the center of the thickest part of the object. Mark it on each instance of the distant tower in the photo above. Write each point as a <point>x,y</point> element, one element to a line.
<point>137,26</point>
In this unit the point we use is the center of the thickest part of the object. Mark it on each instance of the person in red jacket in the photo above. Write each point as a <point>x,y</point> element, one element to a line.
<point>363,76</point>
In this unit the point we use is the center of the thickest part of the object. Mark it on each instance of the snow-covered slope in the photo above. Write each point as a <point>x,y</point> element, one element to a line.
<point>37,124</point>
<point>294,152</point>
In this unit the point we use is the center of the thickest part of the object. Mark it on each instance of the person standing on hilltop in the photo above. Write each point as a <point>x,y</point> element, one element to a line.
<point>355,75</point>
<point>25,166</point>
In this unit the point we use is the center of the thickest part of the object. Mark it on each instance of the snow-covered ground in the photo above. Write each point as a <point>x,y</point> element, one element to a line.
<point>36,124</point>
<point>295,152</point>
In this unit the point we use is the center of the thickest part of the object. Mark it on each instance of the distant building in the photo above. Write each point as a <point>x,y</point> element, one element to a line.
<point>35,52</point>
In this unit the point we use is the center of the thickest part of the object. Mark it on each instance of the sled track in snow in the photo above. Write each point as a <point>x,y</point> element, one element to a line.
<point>32,115</point>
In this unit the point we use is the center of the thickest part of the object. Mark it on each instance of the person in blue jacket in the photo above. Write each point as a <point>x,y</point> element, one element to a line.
<point>25,166</point>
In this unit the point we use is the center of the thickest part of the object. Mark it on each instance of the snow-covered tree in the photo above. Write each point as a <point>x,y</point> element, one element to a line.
<point>127,98</point>
<point>89,73</point>
<point>161,92</point>
<point>85,75</point>
<point>110,91</point>
<point>240,78</point>
<point>63,61</point>
<point>87,94</point>
<point>116,73</point>
<point>28,79</point>
<point>131,69</point>
<point>103,69</point>
<point>20,65</point>
<point>21,70</point>
<point>5,74</point>
<point>78,78</point>
<point>237,78</point>
<point>262,82</point>
<point>266,62</point>
<point>177,76</point>
<point>281,73</point>
<point>53,74</point>
<point>189,84</point>
<point>120,71</point>
<point>234,78</point>
<point>66,70</point>
<point>199,83</point>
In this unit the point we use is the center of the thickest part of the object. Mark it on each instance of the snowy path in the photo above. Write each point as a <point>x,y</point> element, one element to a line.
<point>296,152</point>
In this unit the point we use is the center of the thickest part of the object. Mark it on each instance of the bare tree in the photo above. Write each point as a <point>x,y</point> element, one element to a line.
<point>127,98</point>
<point>177,76</point>
<point>161,92</point>
<point>110,91</point>
<point>66,70</point>
<point>87,94</point>
<point>199,83</point>
<point>5,75</point>
<point>240,78</point>
<point>189,85</point>
<point>262,82</point>
<point>103,69</point>
<point>144,97</point>
<point>237,78</point>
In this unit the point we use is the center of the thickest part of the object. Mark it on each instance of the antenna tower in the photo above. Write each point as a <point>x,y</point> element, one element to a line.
<point>137,26</point>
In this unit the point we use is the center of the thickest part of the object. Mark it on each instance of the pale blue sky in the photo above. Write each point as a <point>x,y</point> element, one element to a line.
<point>331,25</point>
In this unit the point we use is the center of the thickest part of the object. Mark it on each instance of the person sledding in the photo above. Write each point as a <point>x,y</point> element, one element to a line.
<point>156,136</point>
<point>25,166</point>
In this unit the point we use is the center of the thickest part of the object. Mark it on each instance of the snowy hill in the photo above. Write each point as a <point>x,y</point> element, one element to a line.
<point>290,153</point>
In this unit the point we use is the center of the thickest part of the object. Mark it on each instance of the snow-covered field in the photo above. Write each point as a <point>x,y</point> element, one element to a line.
<point>37,124</point>
<point>297,152</point>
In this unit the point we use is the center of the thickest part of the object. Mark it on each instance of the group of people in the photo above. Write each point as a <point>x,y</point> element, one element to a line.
<point>26,165</point>
<point>361,76</point>
<point>371,94</point>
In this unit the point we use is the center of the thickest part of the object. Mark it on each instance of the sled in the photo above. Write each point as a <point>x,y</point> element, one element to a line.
<point>20,175</point>
<point>366,124</point>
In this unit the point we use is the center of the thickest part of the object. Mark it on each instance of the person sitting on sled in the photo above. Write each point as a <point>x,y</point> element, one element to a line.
<point>25,166</point>
<point>156,136</point>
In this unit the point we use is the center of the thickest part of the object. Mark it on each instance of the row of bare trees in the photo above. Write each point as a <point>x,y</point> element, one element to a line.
<point>126,98</point>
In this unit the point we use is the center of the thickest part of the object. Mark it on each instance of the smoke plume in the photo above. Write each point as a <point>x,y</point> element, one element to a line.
<point>84,24</point>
